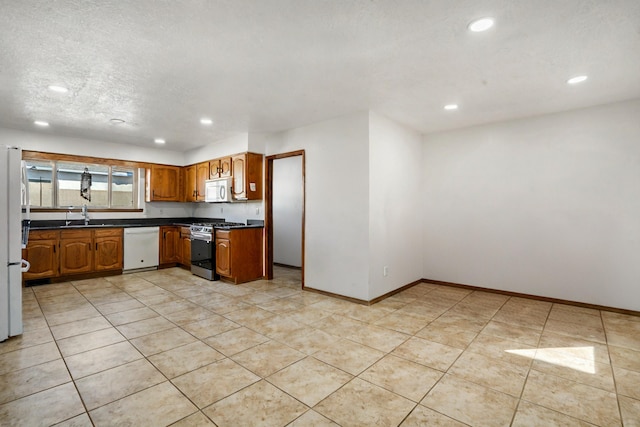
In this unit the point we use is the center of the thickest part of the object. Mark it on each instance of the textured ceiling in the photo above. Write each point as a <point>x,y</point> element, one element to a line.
<point>267,65</point>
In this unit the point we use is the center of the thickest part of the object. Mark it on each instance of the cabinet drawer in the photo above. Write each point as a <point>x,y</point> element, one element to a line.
<point>75,234</point>
<point>43,234</point>
<point>108,232</point>
<point>185,231</point>
<point>223,234</point>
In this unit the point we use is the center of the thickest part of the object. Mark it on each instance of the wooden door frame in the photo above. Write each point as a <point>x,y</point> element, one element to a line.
<point>268,211</point>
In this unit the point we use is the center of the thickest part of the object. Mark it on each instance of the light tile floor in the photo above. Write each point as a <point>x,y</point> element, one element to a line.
<point>168,348</point>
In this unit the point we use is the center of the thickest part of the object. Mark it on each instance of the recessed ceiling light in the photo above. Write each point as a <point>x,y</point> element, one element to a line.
<point>116,121</point>
<point>206,121</point>
<point>576,79</point>
<point>451,107</point>
<point>482,24</point>
<point>41,123</point>
<point>159,141</point>
<point>59,89</point>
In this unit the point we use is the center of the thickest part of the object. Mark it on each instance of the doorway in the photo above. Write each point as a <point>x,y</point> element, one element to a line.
<point>284,214</point>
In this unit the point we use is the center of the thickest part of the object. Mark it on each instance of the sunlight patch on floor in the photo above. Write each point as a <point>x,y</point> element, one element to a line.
<point>578,358</point>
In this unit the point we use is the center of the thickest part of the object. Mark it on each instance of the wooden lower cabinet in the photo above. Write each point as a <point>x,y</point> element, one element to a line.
<point>42,253</point>
<point>239,254</point>
<point>53,253</point>
<point>108,249</point>
<point>223,253</point>
<point>185,246</point>
<point>169,244</point>
<point>76,252</point>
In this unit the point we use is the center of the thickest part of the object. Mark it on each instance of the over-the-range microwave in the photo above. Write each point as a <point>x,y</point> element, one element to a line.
<point>218,190</point>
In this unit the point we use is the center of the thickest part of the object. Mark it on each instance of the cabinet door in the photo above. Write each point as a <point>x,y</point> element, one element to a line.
<point>223,257</point>
<point>108,252</point>
<point>214,168</point>
<point>238,172</point>
<point>76,255</point>
<point>169,245</point>
<point>246,169</point>
<point>202,174</point>
<point>43,256</point>
<point>163,183</point>
<point>225,167</point>
<point>190,189</point>
<point>185,243</point>
<point>253,176</point>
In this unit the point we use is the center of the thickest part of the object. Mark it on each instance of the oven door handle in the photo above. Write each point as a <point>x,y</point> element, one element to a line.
<point>207,241</point>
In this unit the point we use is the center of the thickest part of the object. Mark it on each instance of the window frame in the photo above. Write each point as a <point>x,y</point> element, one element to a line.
<point>111,163</point>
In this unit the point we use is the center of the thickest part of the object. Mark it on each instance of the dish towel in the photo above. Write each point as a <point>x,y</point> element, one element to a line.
<point>85,184</point>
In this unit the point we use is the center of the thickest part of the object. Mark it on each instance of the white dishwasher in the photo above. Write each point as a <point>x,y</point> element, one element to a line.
<point>141,248</point>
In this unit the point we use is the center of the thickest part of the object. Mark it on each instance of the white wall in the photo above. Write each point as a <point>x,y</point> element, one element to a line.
<point>546,206</point>
<point>233,212</point>
<point>337,201</point>
<point>42,141</point>
<point>224,147</point>
<point>287,211</point>
<point>395,221</point>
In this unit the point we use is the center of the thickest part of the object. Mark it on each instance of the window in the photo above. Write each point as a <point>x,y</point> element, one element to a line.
<point>122,188</point>
<point>112,187</point>
<point>40,177</point>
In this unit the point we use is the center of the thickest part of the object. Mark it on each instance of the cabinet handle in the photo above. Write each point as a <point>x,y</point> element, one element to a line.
<point>153,194</point>
<point>96,246</point>
<point>54,248</point>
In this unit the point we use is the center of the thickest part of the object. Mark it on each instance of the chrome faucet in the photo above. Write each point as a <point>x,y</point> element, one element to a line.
<point>66,216</point>
<point>85,214</point>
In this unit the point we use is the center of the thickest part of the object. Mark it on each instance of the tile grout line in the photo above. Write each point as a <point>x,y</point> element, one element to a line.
<point>86,411</point>
<point>147,357</point>
<point>337,312</point>
<point>524,384</point>
<point>613,373</point>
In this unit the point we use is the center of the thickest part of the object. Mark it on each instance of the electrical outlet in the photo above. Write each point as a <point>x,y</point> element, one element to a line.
<point>221,209</point>
<point>385,271</point>
<point>257,211</point>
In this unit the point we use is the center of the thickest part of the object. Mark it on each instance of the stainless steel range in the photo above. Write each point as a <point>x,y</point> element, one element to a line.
<point>203,253</point>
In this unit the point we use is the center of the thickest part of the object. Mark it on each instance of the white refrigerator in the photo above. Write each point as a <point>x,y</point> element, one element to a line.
<point>13,196</point>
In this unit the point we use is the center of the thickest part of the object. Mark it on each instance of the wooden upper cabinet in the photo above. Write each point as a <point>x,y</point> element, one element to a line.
<point>76,251</point>
<point>108,249</point>
<point>163,183</point>
<point>225,167</point>
<point>220,168</point>
<point>246,170</point>
<point>214,168</point>
<point>190,189</point>
<point>202,174</point>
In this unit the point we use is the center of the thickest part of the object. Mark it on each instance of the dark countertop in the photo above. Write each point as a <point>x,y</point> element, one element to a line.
<point>132,222</point>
